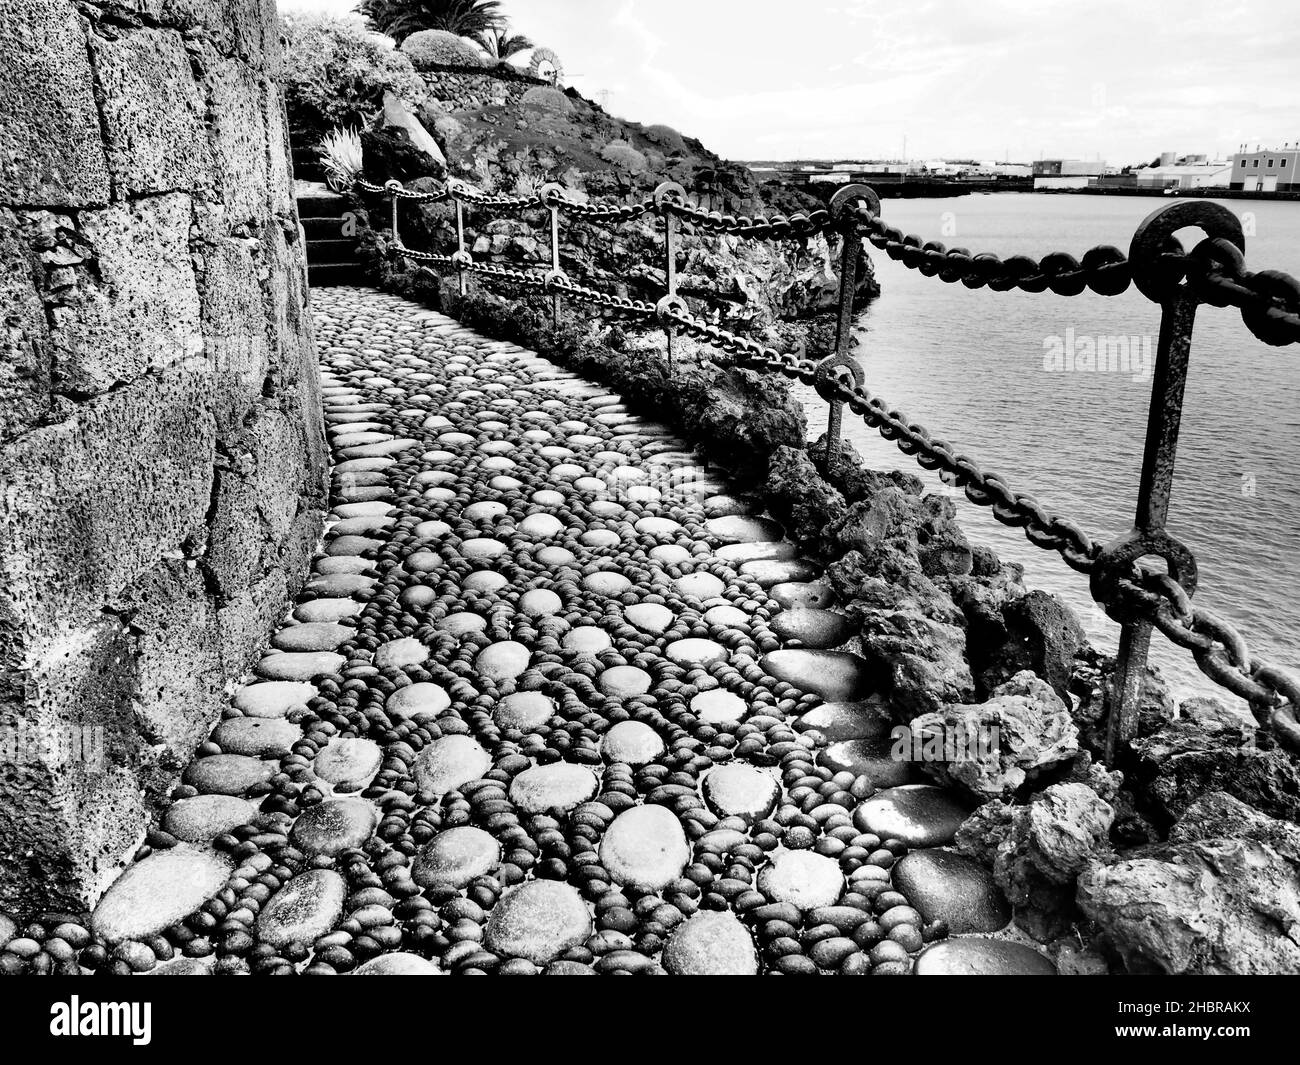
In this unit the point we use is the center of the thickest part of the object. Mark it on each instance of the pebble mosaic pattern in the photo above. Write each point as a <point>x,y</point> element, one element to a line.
<point>554,700</point>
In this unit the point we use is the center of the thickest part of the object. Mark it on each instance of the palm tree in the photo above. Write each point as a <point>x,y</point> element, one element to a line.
<point>501,44</point>
<point>401,18</point>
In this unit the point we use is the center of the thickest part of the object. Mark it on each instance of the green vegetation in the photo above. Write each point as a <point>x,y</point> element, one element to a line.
<point>340,156</point>
<point>336,74</point>
<point>433,48</point>
<point>500,44</point>
<point>402,18</point>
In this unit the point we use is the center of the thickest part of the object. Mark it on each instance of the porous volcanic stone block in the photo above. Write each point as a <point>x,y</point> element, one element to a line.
<point>50,146</point>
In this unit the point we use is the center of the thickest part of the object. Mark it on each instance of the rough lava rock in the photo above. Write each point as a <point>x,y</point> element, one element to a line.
<point>1023,729</point>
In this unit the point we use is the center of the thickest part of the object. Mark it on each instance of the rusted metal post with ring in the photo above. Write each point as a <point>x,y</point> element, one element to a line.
<point>667,194</point>
<point>840,363</point>
<point>394,188</point>
<point>550,195</point>
<point>1157,274</point>
<point>461,259</point>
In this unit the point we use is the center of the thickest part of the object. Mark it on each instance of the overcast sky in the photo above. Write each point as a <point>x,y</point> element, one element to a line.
<point>1020,79</point>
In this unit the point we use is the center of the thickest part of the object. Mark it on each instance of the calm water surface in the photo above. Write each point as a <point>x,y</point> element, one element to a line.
<point>970,365</point>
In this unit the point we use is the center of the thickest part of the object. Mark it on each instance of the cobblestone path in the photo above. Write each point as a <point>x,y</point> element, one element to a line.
<point>553,700</point>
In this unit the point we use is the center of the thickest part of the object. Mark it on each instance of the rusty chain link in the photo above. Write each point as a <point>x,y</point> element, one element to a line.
<point>778,227</point>
<point>1269,300</point>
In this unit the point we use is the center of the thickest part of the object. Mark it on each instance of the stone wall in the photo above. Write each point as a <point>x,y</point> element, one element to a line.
<point>161,449</point>
<point>469,90</point>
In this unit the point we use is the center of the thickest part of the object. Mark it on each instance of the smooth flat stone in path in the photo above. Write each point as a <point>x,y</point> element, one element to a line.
<point>449,762</point>
<point>541,526</point>
<point>670,554</point>
<point>802,878</point>
<point>848,721</point>
<point>401,964</point>
<point>736,529</point>
<point>423,697</point>
<point>695,652</point>
<point>502,661</point>
<point>812,627</point>
<point>920,815</point>
<point>725,506</point>
<point>228,774</point>
<point>741,554</point>
<point>740,790</point>
<point>625,681</point>
<point>398,653</point>
<point>524,711</point>
<point>462,623</point>
<point>870,758</point>
<point>538,920</point>
<point>539,602</point>
<point>711,943</point>
<point>558,786</point>
<point>328,610</point>
<point>586,639</point>
<point>485,580</point>
<point>273,698</point>
<point>700,585</point>
<point>632,742</point>
<point>299,665</point>
<point>204,817</point>
<point>978,956</point>
<point>334,825</point>
<point>348,762</point>
<point>798,594</point>
<point>837,676</point>
<point>312,636</point>
<point>304,909</point>
<point>158,891</point>
<point>731,617</point>
<point>768,572</point>
<point>257,736</point>
<point>645,848</point>
<point>653,618</point>
<point>943,885</point>
<point>718,706</point>
<point>454,857</point>
<point>606,582</point>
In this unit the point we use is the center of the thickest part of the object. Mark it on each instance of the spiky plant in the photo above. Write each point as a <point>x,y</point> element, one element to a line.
<point>500,44</point>
<point>401,18</point>
<point>340,156</point>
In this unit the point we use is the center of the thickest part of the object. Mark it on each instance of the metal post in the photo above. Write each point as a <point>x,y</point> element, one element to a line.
<point>460,243</point>
<point>1153,240</point>
<point>670,269</point>
<point>1178,317</point>
<point>665,195</point>
<point>555,261</point>
<point>840,361</point>
<point>843,334</point>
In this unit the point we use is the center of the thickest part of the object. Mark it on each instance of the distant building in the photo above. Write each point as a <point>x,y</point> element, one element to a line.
<point>1185,173</point>
<point>1066,173</point>
<point>1268,170</point>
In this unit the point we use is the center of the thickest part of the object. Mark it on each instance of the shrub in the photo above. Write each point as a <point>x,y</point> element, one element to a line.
<point>542,98</point>
<point>672,142</point>
<point>625,157</point>
<point>340,156</point>
<point>336,74</point>
<point>430,48</point>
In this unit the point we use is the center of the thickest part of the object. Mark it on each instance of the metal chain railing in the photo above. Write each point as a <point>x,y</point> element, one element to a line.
<point>1137,595</point>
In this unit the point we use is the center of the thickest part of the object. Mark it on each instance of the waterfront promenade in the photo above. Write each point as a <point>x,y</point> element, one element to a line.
<point>554,699</point>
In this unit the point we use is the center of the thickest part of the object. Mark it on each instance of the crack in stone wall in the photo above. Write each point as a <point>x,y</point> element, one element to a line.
<point>161,450</point>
